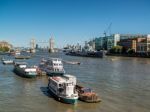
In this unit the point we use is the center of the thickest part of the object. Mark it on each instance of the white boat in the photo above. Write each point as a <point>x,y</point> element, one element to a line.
<point>21,69</point>
<point>28,51</point>
<point>63,88</point>
<point>8,61</point>
<point>53,67</point>
<point>15,53</point>
<point>43,60</point>
<point>72,62</point>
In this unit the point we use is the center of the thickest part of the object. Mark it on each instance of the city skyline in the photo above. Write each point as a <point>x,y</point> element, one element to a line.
<point>70,21</point>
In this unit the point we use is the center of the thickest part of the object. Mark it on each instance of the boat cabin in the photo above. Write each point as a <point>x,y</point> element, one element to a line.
<point>26,68</point>
<point>55,63</point>
<point>21,64</point>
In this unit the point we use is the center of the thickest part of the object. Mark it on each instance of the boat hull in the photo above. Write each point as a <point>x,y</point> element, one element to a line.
<point>89,101</point>
<point>21,73</point>
<point>52,73</point>
<point>99,54</point>
<point>7,63</point>
<point>22,57</point>
<point>86,95</point>
<point>63,99</point>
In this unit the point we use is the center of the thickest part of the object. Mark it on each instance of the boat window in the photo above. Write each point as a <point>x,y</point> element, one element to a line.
<point>60,85</point>
<point>61,90</point>
<point>69,84</point>
<point>55,64</point>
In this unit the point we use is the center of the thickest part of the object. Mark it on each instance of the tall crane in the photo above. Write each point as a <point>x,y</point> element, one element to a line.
<point>108,30</point>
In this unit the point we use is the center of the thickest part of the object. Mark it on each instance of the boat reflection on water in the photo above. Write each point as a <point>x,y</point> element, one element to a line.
<point>78,107</point>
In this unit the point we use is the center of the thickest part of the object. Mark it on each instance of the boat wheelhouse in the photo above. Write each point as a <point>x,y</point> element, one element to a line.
<point>63,88</point>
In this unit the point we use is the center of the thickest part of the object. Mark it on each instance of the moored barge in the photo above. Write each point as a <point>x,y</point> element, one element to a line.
<point>21,69</point>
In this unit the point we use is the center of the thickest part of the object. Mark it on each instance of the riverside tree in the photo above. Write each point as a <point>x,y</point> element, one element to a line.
<point>4,49</point>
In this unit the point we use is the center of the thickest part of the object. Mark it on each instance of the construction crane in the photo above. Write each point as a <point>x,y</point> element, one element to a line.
<point>108,30</point>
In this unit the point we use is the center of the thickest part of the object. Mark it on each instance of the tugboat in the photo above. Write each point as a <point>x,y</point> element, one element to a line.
<point>53,67</point>
<point>20,68</point>
<point>87,95</point>
<point>63,88</point>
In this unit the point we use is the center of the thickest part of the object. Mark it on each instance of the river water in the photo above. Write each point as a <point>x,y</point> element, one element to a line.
<point>122,83</point>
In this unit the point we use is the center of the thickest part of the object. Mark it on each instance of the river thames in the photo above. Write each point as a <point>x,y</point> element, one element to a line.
<point>122,83</point>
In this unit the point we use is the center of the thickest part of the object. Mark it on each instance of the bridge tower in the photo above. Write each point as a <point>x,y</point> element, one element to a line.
<point>51,45</point>
<point>32,45</point>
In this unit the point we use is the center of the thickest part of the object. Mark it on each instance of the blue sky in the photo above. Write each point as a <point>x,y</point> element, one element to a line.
<point>70,21</point>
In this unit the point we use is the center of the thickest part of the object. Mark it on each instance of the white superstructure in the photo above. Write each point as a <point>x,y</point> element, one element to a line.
<point>8,61</point>
<point>54,66</point>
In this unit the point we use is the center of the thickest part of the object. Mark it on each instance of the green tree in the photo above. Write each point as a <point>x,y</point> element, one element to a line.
<point>4,49</point>
<point>130,51</point>
<point>116,49</point>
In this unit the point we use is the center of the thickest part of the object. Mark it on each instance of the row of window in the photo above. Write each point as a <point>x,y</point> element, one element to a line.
<point>57,64</point>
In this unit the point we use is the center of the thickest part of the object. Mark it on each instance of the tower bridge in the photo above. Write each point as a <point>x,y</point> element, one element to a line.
<point>34,44</point>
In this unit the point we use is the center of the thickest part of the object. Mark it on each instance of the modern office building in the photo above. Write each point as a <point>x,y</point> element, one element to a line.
<point>136,42</point>
<point>128,43</point>
<point>112,40</point>
<point>100,43</point>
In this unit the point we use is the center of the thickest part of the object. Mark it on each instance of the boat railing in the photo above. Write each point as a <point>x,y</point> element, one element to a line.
<point>63,95</point>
